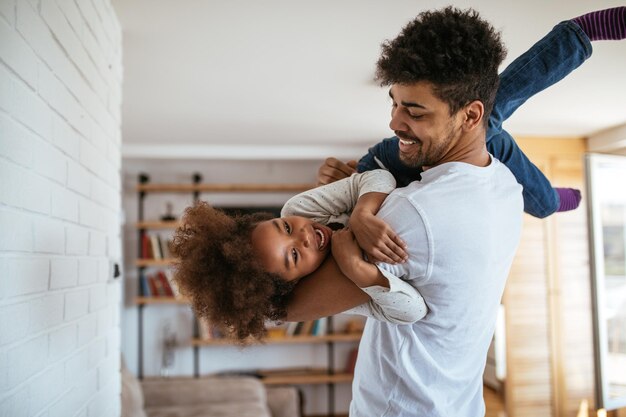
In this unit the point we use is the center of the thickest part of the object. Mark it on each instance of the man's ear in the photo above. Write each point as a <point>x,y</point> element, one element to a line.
<point>473,114</point>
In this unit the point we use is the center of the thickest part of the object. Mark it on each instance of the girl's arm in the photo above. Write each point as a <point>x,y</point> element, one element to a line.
<point>325,292</point>
<point>359,195</point>
<point>392,299</point>
<point>335,201</point>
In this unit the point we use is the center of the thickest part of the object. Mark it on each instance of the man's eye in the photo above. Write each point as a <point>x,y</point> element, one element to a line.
<point>287,228</point>
<point>416,116</point>
<point>294,255</point>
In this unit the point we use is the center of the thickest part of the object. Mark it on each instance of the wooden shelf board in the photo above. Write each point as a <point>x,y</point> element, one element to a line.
<point>285,340</point>
<point>154,262</point>
<point>158,224</point>
<point>312,379</point>
<point>224,188</point>
<point>160,300</point>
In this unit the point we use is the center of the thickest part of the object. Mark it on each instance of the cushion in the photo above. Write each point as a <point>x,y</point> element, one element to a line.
<point>132,396</point>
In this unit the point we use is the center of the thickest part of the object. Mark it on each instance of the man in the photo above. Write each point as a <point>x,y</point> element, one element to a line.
<point>461,223</point>
<point>453,221</point>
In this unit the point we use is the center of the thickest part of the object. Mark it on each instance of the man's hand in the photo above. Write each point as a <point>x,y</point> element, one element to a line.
<point>333,169</point>
<point>377,238</point>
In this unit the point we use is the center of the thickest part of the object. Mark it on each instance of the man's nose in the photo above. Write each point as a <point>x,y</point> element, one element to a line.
<point>397,121</point>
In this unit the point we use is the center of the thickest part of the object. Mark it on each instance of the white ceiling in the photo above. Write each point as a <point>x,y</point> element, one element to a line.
<point>287,78</point>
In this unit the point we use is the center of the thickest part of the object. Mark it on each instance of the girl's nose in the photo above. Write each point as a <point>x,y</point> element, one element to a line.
<point>305,238</point>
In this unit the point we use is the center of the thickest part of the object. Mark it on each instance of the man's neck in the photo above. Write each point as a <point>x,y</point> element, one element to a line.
<point>471,149</point>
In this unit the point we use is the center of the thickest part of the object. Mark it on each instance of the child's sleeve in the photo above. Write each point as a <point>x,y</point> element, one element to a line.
<point>386,155</point>
<point>334,202</point>
<point>401,303</point>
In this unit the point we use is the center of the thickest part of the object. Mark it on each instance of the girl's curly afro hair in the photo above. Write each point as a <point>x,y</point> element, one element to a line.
<point>217,271</point>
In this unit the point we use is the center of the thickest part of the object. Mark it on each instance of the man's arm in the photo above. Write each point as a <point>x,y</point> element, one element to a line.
<point>323,293</point>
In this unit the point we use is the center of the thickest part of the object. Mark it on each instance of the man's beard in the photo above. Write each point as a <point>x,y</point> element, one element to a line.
<point>420,158</point>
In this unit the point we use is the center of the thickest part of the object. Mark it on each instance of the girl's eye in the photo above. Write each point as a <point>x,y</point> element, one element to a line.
<point>287,228</point>
<point>294,255</point>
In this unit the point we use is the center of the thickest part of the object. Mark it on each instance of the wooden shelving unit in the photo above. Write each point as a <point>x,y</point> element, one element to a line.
<point>223,188</point>
<point>287,340</point>
<point>326,376</point>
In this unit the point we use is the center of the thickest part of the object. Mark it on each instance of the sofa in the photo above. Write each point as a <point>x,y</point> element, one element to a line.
<point>213,396</point>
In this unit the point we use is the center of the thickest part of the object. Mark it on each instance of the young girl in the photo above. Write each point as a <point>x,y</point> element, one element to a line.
<point>238,271</point>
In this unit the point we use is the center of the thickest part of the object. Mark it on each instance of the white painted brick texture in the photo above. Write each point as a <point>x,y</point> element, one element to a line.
<point>60,158</point>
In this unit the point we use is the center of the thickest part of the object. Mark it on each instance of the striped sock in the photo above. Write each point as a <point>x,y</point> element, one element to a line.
<point>604,24</point>
<point>569,198</point>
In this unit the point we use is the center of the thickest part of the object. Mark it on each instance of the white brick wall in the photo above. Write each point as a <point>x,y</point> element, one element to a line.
<point>60,93</point>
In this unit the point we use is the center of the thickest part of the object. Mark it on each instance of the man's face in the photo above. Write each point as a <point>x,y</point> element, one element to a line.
<point>428,133</point>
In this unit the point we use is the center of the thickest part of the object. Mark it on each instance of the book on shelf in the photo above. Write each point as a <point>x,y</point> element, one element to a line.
<point>291,328</point>
<point>169,275</point>
<point>154,246</point>
<point>156,285</point>
<point>165,248</point>
<point>319,327</point>
<point>351,362</point>
<point>145,287</point>
<point>165,284</point>
<point>154,290</point>
<point>276,332</point>
<point>207,331</point>
<point>307,328</point>
<point>204,332</point>
<point>146,247</point>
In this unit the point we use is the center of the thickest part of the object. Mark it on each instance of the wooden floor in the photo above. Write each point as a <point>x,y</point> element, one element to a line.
<point>494,403</point>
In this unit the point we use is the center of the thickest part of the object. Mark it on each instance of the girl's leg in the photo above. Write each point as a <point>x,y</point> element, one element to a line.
<point>540,199</point>
<point>545,63</point>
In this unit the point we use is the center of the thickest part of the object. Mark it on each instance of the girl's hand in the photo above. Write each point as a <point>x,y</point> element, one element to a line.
<point>349,257</point>
<point>377,238</point>
<point>346,251</point>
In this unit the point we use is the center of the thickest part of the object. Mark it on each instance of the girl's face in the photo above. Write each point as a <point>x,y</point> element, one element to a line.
<point>291,247</point>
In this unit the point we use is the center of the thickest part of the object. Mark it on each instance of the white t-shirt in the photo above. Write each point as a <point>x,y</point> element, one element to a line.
<point>332,203</point>
<point>462,225</point>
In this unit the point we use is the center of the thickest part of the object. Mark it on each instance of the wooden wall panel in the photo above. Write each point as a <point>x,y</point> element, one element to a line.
<point>547,299</point>
<point>528,387</point>
<point>573,295</point>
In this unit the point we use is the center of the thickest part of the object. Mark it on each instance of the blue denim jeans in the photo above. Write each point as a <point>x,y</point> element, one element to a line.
<point>548,61</point>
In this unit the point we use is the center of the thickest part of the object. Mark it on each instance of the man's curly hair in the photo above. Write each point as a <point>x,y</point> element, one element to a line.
<point>455,50</point>
<point>217,271</point>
